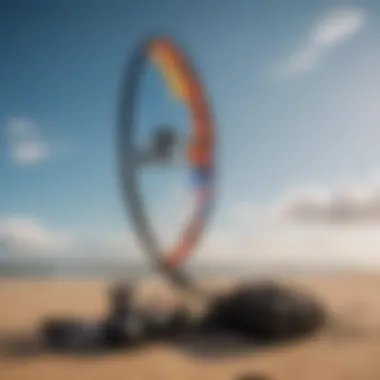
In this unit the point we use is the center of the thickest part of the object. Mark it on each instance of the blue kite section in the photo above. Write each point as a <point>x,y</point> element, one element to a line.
<point>201,176</point>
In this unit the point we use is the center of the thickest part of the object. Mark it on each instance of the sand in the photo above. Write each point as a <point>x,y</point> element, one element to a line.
<point>352,299</point>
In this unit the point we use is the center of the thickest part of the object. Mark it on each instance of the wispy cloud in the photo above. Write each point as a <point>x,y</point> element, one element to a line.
<point>28,236</point>
<point>335,27</point>
<point>355,203</point>
<point>345,233</point>
<point>275,246</point>
<point>306,227</point>
<point>27,146</point>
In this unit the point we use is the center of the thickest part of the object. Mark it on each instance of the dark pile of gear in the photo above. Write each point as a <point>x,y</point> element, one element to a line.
<point>258,312</point>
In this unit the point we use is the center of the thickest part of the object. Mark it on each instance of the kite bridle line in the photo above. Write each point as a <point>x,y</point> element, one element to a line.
<point>184,82</point>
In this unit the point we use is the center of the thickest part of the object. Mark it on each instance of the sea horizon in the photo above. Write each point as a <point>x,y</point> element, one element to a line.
<point>123,267</point>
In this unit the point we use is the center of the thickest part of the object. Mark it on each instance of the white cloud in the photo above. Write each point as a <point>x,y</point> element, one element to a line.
<point>244,235</point>
<point>26,143</point>
<point>335,27</point>
<point>310,227</point>
<point>276,247</point>
<point>22,235</point>
<point>27,236</point>
<point>352,203</point>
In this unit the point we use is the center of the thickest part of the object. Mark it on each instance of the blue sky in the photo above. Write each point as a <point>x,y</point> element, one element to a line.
<point>294,87</point>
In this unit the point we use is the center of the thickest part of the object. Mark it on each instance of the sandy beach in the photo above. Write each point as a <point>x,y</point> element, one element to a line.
<point>351,299</point>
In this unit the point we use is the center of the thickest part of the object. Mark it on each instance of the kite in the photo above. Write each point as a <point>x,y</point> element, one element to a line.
<point>183,82</point>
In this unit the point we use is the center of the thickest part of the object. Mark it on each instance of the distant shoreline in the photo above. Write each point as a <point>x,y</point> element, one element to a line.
<point>99,268</point>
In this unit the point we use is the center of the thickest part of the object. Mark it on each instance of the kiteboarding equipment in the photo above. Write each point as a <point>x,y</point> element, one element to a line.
<point>183,82</point>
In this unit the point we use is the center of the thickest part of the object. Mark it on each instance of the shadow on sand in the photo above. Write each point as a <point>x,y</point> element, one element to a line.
<point>202,346</point>
<point>18,349</point>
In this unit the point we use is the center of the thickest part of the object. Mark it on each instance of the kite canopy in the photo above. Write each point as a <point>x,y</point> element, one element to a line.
<point>183,82</point>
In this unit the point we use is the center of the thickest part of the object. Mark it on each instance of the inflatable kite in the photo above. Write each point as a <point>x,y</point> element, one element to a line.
<point>182,80</point>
